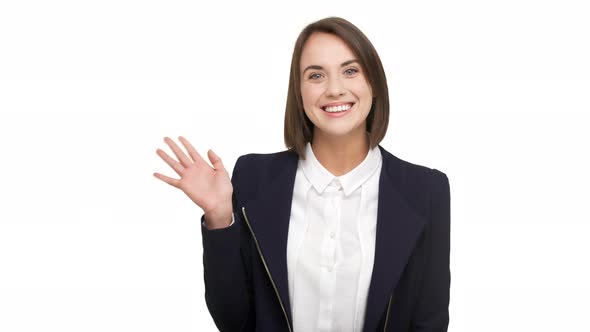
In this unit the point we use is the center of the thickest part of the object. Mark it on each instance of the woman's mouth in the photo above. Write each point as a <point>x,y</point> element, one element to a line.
<point>337,111</point>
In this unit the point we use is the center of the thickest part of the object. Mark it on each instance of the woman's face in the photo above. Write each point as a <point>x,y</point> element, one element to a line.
<point>330,76</point>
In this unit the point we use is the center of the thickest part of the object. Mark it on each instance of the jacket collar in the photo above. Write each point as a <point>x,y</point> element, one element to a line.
<point>398,228</point>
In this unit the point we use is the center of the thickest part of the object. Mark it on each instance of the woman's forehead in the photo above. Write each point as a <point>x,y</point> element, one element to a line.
<point>325,50</point>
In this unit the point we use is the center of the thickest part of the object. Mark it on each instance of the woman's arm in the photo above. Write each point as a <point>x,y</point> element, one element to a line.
<point>227,270</point>
<point>432,311</point>
<point>227,278</point>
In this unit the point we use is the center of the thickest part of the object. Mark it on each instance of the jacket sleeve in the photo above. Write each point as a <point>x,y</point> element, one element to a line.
<point>227,270</point>
<point>432,311</point>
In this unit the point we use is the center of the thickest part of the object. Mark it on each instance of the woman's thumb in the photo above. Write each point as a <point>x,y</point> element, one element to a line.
<point>215,160</point>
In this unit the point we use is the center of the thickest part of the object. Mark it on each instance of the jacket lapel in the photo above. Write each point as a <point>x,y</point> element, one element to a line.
<point>398,228</point>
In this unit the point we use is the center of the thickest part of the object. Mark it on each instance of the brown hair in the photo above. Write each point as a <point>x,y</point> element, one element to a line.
<point>298,127</point>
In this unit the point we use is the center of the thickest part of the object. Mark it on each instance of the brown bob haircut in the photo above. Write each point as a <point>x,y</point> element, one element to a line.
<point>298,127</point>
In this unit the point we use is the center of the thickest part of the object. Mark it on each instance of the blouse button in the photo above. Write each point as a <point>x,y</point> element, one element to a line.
<point>332,235</point>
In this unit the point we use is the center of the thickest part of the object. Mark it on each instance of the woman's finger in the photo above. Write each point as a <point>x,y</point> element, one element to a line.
<point>184,160</point>
<point>191,150</point>
<point>176,166</point>
<point>215,160</point>
<point>169,180</point>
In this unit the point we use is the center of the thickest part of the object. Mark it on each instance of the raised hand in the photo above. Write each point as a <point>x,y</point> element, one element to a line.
<point>209,187</point>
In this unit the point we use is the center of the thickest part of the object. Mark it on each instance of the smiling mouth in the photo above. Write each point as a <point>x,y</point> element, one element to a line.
<point>338,109</point>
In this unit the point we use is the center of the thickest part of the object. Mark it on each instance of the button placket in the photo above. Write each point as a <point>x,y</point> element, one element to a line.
<point>332,228</point>
<point>331,219</point>
<point>335,200</point>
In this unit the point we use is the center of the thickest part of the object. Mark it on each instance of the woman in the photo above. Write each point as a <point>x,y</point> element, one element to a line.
<point>335,233</point>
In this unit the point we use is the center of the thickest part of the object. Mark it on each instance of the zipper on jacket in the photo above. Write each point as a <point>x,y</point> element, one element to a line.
<point>266,268</point>
<point>387,315</point>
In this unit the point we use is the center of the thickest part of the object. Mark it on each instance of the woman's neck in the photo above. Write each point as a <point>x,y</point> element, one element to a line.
<point>340,155</point>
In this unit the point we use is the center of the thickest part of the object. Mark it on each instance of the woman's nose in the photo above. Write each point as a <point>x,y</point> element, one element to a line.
<point>335,87</point>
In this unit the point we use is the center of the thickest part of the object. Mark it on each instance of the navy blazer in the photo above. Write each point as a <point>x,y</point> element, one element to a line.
<point>245,265</point>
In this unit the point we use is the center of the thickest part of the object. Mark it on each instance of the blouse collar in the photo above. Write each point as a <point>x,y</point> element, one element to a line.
<point>320,177</point>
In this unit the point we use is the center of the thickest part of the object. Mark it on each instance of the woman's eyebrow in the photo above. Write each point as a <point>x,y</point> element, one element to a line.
<point>345,63</point>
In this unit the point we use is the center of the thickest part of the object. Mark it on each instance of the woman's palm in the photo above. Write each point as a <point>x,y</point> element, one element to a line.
<point>209,187</point>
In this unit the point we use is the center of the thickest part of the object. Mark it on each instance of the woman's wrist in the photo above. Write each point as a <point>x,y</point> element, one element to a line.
<point>219,217</point>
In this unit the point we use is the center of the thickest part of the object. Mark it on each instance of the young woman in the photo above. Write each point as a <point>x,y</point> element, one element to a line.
<point>335,233</point>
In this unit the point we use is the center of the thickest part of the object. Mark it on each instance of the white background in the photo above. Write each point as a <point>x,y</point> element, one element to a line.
<point>493,93</point>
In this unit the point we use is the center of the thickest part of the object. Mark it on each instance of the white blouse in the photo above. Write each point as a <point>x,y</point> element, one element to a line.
<point>331,244</point>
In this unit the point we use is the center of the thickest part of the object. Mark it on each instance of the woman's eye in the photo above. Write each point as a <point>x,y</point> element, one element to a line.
<point>354,71</point>
<point>313,76</point>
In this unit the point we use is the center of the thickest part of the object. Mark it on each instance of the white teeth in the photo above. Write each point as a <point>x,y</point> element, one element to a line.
<point>338,108</point>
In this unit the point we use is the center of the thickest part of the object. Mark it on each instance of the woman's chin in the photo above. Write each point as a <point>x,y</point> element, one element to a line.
<point>333,132</point>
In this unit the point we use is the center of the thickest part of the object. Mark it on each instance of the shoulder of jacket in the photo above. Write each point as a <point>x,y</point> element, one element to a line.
<point>411,173</point>
<point>254,170</point>
<point>262,160</point>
